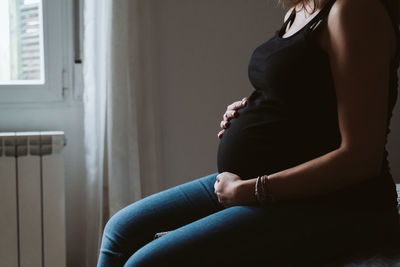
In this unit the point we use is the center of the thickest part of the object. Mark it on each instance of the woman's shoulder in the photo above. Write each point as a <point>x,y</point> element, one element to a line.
<point>360,9</point>
<point>354,21</point>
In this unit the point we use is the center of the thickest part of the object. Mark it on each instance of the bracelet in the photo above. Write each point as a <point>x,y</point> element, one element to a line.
<point>257,190</point>
<point>263,196</point>
<point>262,190</point>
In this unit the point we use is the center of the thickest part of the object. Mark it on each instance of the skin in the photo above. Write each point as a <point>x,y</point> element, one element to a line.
<point>361,78</point>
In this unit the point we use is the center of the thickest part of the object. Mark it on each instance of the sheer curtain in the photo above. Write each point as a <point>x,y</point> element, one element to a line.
<point>110,115</point>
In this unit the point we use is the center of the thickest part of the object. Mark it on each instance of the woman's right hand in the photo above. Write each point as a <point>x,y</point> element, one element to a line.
<point>231,112</point>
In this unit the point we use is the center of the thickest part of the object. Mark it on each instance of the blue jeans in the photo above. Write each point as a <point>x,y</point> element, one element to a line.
<point>203,233</point>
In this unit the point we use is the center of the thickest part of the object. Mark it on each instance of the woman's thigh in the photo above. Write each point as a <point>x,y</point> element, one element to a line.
<point>277,235</point>
<point>135,225</point>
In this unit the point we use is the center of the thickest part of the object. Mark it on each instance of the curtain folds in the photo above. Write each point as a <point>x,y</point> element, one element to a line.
<point>110,115</point>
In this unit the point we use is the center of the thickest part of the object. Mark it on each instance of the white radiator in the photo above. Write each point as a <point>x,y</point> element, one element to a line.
<point>32,200</point>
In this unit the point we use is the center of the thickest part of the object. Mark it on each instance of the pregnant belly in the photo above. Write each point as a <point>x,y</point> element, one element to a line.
<point>260,142</point>
<point>253,145</point>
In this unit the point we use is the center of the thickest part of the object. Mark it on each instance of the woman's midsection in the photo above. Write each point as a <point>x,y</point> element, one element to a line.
<point>261,141</point>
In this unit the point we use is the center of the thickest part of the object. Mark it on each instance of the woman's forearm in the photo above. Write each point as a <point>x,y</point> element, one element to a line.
<point>334,170</point>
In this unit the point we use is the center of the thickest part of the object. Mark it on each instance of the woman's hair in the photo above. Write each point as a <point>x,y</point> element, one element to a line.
<point>392,7</point>
<point>303,3</point>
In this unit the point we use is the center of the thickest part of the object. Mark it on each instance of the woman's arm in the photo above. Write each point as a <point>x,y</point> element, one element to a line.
<point>360,45</point>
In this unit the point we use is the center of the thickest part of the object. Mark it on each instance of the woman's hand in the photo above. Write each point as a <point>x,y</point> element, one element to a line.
<point>231,112</point>
<point>231,190</point>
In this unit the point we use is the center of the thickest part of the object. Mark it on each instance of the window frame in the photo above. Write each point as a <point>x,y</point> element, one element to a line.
<point>55,24</point>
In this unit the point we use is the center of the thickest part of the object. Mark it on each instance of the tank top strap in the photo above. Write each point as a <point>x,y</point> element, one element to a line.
<point>321,16</point>
<point>314,22</point>
<point>290,20</point>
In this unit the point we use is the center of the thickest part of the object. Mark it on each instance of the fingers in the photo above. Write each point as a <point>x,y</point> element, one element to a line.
<point>238,104</point>
<point>220,134</point>
<point>220,200</point>
<point>224,124</point>
<point>231,109</point>
<point>217,190</point>
<point>229,114</point>
<point>216,185</point>
<point>219,196</point>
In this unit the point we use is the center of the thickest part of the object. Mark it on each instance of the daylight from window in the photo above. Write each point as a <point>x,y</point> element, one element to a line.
<point>21,42</point>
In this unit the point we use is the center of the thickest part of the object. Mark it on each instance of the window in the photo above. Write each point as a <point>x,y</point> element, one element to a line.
<point>32,50</point>
<point>22,46</point>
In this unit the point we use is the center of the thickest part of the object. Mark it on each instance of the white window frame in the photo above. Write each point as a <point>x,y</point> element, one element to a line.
<point>55,25</point>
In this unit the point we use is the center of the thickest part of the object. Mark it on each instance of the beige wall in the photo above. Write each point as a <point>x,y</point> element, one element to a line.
<point>198,52</point>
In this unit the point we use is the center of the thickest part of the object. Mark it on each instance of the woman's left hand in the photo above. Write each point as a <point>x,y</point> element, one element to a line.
<point>227,188</point>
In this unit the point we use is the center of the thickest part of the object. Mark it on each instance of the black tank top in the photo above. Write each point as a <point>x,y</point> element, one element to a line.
<point>291,116</point>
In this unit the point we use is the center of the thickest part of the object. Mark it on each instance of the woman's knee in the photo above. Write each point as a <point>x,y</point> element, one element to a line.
<point>128,229</point>
<point>124,233</point>
<point>113,251</point>
<point>114,234</point>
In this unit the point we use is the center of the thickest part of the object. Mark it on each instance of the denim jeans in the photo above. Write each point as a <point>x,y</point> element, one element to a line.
<point>203,233</point>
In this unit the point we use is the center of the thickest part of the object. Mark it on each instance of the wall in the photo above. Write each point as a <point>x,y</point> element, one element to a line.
<point>202,50</point>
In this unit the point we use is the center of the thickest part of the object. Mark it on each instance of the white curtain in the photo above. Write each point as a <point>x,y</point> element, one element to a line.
<point>110,120</point>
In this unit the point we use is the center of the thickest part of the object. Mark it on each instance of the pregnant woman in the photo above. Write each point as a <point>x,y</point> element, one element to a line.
<point>303,176</point>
